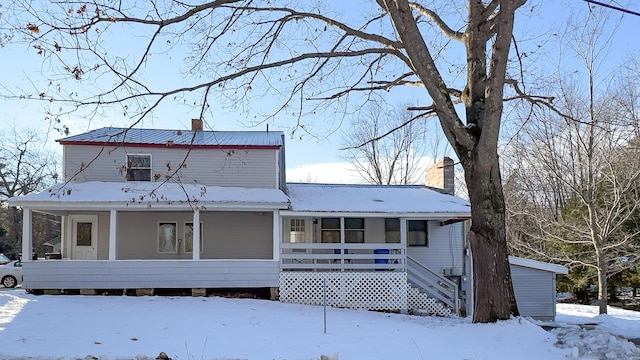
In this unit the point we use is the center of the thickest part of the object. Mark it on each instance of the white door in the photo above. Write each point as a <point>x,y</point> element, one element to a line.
<point>84,237</point>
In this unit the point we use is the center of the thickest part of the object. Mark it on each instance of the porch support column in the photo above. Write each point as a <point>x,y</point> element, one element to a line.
<point>342,242</point>
<point>276,235</point>
<point>403,239</point>
<point>196,234</point>
<point>27,246</point>
<point>113,227</point>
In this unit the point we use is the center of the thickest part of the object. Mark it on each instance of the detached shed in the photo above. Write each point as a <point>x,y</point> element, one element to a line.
<point>534,284</point>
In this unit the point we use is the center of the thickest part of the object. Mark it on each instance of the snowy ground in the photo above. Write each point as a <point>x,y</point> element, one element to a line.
<point>124,327</point>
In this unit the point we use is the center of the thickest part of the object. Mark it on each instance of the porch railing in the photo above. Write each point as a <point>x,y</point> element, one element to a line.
<point>433,284</point>
<point>341,257</point>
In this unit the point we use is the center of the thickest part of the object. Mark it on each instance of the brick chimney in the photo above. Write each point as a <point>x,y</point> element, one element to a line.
<point>196,124</point>
<point>441,175</point>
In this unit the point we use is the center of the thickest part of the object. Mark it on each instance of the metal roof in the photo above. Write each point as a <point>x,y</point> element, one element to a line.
<point>160,137</point>
<point>382,199</point>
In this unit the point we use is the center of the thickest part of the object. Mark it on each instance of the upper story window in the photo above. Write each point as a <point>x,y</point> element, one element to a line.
<point>138,167</point>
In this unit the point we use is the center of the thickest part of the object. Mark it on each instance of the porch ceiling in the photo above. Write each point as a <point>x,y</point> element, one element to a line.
<point>97,195</point>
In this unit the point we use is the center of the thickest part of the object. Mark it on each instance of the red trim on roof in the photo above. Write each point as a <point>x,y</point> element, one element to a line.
<point>174,146</point>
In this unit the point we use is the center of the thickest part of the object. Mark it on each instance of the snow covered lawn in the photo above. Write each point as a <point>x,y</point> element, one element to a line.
<point>123,327</point>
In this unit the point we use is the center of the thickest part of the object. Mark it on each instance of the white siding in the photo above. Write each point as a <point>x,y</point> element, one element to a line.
<point>219,167</point>
<point>131,274</point>
<point>226,235</point>
<point>445,250</point>
<point>535,292</point>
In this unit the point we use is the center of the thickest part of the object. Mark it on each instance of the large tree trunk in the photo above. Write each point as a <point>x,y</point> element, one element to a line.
<point>602,280</point>
<point>493,291</point>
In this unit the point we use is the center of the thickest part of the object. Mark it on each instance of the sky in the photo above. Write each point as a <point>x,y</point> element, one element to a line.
<point>316,157</point>
<point>66,327</point>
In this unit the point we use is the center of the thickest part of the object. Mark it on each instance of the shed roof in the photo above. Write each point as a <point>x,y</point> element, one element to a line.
<point>177,138</point>
<point>383,199</point>
<point>534,264</point>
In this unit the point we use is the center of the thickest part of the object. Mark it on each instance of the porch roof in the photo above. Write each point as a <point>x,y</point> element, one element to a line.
<point>97,195</point>
<point>375,199</point>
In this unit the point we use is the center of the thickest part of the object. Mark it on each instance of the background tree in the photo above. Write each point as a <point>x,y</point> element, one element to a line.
<point>574,176</point>
<point>315,62</point>
<point>25,167</point>
<point>393,159</point>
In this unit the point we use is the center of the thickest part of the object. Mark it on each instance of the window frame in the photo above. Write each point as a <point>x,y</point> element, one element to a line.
<point>350,230</point>
<point>185,226</point>
<point>410,238</point>
<point>175,237</point>
<point>297,231</point>
<point>392,232</point>
<point>326,231</point>
<point>130,168</point>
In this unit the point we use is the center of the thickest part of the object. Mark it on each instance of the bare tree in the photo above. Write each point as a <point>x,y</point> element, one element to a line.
<point>574,182</point>
<point>316,60</point>
<point>25,167</point>
<point>392,159</point>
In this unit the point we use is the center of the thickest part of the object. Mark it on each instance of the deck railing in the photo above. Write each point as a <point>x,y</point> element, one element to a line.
<point>433,284</point>
<point>341,257</point>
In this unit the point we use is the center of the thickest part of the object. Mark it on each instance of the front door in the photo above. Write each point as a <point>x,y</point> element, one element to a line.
<point>84,237</point>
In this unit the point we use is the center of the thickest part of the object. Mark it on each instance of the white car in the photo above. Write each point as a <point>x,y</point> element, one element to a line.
<point>10,271</point>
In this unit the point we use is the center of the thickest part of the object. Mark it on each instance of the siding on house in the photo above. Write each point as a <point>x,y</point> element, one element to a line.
<point>226,235</point>
<point>535,292</point>
<point>445,250</point>
<point>255,168</point>
<point>132,274</point>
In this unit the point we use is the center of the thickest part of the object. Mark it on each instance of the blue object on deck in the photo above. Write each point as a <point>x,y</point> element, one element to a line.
<point>381,251</point>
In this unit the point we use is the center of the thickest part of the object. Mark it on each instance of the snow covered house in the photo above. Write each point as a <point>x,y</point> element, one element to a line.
<point>134,200</point>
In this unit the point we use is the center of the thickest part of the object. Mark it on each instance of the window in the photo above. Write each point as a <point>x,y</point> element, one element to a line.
<point>188,237</point>
<point>354,230</point>
<point>392,230</point>
<point>83,233</point>
<point>167,237</point>
<point>330,230</point>
<point>418,233</point>
<point>138,167</point>
<point>296,232</point>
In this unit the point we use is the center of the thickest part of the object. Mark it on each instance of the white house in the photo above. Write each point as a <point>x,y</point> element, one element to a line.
<point>134,200</point>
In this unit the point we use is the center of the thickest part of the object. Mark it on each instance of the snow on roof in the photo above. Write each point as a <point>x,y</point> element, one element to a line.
<point>558,269</point>
<point>113,135</point>
<point>132,195</point>
<point>374,199</point>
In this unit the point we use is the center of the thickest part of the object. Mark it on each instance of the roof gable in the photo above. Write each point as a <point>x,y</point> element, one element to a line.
<point>177,138</point>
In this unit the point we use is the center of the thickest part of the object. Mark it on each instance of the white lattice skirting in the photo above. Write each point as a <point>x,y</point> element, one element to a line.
<point>355,290</point>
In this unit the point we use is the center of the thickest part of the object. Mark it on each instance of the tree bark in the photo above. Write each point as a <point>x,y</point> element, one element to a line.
<point>602,281</point>
<point>493,290</point>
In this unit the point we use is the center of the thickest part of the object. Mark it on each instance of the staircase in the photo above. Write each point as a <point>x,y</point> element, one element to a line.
<point>430,293</point>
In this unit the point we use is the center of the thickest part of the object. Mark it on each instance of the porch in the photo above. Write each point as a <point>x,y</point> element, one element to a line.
<point>364,276</point>
<point>135,274</point>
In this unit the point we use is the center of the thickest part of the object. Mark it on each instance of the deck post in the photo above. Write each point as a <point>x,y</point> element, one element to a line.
<point>27,246</point>
<point>113,218</point>
<point>403,240</point>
